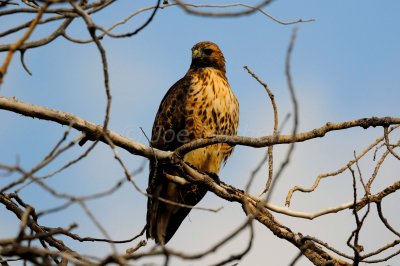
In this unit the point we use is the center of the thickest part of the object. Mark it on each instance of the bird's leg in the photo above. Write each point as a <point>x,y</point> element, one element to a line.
<point>214,176</point>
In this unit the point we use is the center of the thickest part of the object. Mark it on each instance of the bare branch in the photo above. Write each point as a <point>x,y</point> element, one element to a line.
<point>388,145</point>
<point>255,171</point>
<point>384,220</point>
<point>257,209</point>
<point>275,131</point>
<point>289,153</point>
<point>14,47</point>
<point>335,173</point>
<point>6,199</point>
<point>133,147</point>
<point>186,7</point>
<point>54,153</point>
<point>41,42</point>
<point>79,124</point>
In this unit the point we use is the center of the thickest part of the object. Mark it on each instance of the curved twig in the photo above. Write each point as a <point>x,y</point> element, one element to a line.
<point>275,131</point>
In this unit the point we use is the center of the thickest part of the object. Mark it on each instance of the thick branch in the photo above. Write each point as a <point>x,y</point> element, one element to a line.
<point>286,139</point>
<point>379,196</point>
<point>256,208</point>
<point>133,147</point>
<point>79,124</point>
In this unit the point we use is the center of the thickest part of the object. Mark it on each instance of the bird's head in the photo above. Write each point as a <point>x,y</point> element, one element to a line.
<point>207,54</point>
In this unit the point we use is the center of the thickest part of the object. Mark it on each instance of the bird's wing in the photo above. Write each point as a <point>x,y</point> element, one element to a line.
<point>163,219</point>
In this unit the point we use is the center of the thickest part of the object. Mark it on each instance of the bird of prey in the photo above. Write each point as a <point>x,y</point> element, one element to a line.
<point>199,105</point>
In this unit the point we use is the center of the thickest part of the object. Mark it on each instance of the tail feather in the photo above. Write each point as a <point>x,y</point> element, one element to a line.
<point>164,218</point>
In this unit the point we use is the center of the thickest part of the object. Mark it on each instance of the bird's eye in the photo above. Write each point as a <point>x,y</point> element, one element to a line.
<point>208,51</point>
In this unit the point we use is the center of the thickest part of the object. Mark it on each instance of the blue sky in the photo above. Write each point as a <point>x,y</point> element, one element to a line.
<point>345,65</point>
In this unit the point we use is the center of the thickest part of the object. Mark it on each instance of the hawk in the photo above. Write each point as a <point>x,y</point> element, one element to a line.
<point>199,105</point>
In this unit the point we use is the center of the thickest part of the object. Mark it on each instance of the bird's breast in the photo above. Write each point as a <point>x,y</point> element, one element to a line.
<point>212,109</point>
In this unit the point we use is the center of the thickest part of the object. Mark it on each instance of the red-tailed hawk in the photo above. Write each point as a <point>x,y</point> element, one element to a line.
<point>199,105</point>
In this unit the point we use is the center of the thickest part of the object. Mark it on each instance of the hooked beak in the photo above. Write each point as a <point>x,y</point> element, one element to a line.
<point>196,53</point>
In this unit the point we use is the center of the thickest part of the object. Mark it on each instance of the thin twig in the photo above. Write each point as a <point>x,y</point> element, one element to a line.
<point>255,171</point>
<point>289,153</point>
<point>275,131</point>
<point>15,46</point>
<point>388,145</point>
<point>384,220</point>
<point>335,173</point>
<point>186,7</point>
<point>22,53</point>
<point>97,223</point>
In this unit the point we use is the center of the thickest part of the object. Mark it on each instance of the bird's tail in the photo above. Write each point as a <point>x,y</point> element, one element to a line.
<point>165,212</point>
